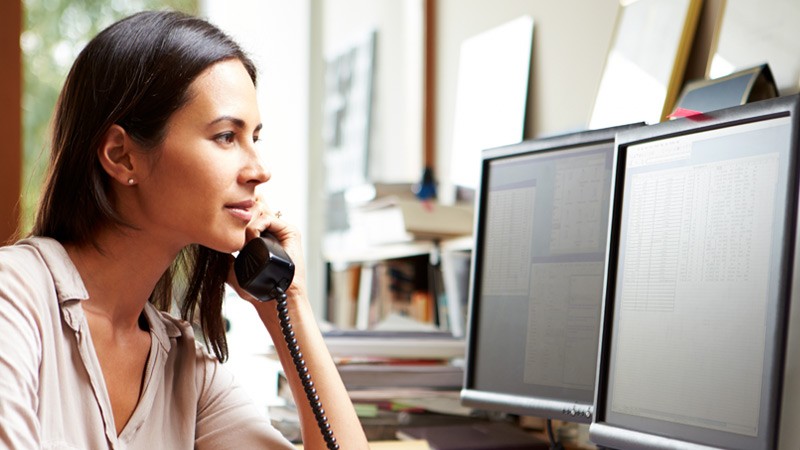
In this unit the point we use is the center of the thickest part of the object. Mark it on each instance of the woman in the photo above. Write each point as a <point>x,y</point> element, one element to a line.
<point>152,181</point>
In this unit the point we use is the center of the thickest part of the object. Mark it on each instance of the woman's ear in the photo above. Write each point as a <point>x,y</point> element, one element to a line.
<point>115,155</point>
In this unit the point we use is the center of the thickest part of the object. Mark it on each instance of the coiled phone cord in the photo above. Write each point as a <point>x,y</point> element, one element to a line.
<point>302,371</point>
<point>554,444</point>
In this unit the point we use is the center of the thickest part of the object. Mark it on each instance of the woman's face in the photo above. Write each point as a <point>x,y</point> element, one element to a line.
<point>199,185</point>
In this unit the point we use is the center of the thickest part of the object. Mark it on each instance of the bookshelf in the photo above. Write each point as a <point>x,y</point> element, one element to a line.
<point>417,285</point>
<point>398,364</point>
<point>389,286</point>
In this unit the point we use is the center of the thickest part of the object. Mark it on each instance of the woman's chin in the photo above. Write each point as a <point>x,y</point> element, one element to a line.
<point>235,247</point>
<point>230,245</point>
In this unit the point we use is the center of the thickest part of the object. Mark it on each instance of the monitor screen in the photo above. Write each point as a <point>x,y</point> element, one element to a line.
<point>537,275</point>
<point>697,281</point>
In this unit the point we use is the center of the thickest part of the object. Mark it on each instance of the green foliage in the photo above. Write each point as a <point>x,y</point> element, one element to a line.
<point>54,32</point>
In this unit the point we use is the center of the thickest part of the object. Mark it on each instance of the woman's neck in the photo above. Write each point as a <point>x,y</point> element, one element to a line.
<point>120,274</point>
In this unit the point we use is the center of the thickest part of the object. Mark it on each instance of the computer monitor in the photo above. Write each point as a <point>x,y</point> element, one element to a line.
<point>537,275</point>
<point>701,267</point>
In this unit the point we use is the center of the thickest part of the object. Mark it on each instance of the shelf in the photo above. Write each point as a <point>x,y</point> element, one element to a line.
<point>342,250</point>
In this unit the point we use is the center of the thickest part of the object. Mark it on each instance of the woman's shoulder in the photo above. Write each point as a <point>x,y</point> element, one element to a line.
<point>33,283</point>
<point>22,255</point>
<point>38,254</point>
<point>40,267</point>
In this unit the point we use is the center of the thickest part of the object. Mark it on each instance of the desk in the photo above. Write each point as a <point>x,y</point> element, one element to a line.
<point>384,412</point>
<point>479,435</point>
<point>393,445</point>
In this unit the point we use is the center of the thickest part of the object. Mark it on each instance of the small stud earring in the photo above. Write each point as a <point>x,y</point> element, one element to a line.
<point>130,181</point>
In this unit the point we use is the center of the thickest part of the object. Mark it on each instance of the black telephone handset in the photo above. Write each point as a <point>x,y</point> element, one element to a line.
<point>264,270</point>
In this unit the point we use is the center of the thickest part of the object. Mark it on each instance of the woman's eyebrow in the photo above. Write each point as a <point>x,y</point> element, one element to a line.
<point>239,123</point>
<point>234,120</point>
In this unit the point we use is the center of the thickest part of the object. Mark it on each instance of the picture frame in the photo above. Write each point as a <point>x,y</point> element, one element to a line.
<point>646,61</point>
<point>348,113</point>
<point>491,97</point>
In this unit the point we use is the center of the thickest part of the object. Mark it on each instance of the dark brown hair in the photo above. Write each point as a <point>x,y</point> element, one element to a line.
<point>136,73</point>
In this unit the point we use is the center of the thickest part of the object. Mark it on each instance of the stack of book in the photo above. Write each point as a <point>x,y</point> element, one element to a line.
<point>414,372</point>
<point>393,219</point>
<point>383,372</point>
<point>393,377</point>
<point>407,344</point>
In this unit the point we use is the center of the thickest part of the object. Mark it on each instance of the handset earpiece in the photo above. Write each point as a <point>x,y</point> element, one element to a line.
<point>263,268</point>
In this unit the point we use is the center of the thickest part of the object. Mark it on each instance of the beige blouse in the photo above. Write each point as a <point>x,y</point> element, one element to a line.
<point>52,393</point>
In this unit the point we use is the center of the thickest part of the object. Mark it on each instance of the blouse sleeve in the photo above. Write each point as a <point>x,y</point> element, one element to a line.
<point>226,416</point>
<point>20,354</point>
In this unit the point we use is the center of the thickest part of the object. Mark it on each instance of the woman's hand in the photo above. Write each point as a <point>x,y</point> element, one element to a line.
<point>328,384</point>
<point>289,238</point>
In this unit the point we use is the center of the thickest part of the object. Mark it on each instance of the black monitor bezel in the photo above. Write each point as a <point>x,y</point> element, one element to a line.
<point>616,436</point>
<point>514,403</point>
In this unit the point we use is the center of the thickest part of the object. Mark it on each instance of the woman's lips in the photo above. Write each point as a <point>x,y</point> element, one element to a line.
<point>241,210</point>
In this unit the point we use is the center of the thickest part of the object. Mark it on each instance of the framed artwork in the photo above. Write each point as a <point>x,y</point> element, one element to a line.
<point>753,32</point>
<point>348,113</point>
<point>644,68</point>
<point>491,95</point>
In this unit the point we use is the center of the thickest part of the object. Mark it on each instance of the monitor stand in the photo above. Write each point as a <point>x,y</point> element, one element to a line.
<point>475,436</point>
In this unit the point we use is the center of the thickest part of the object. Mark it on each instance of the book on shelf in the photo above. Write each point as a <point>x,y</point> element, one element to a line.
<point>363,373</point>
<point>397,294</point>
<point>343,295</point>
<point>415,400</point>
<point>418,286</point>
<point>401,289</point>
<point>394,344</point>
<point>456,260</point>
<point>440,299</point>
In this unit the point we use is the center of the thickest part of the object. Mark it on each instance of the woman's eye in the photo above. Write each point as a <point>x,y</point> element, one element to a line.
<point>256,138</point>
<point>225,138</point>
